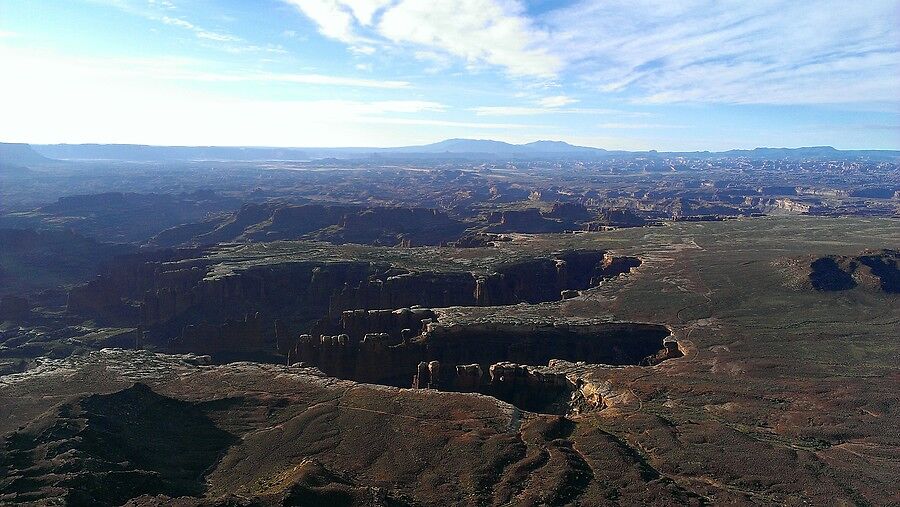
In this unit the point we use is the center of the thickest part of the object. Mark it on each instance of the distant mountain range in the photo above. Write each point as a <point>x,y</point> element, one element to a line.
<point>23,154</point>
<point>497,147</point>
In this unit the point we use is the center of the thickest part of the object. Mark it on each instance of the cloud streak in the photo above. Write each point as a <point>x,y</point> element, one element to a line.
<point>200,32</point>
<point>175,69</point>
<point>162,11</point>
<point>761,52</point>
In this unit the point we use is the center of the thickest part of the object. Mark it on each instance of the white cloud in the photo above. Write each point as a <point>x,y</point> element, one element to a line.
<point>479,31</point>
<point>335,21</point>
<point>7,34</point>
<point>492,32</point>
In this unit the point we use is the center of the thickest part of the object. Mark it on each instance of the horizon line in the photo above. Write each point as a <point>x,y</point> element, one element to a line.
<point>383,148</point>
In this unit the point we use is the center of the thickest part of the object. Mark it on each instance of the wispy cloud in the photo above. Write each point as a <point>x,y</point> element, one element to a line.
<point>180,69</point>
<point>162,11</point>
<point>881,127</point>
<point>556,101</point>
<point>446,123</point>
<point>311,79</point>
<point>534,111</point>
<point>766,51</point>
<point>165,4</point>
<point>636,126</point>
<point>200,32</point>
<point>479,32</point>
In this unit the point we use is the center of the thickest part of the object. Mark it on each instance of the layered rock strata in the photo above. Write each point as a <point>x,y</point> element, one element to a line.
<point>488,358</point>
<point>164,292</point>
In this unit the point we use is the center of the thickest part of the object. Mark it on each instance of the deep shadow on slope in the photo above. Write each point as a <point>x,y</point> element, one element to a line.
<point>108,448</point>
<point>837,273</point>
<point>826,275</point>
<point>884,266</point>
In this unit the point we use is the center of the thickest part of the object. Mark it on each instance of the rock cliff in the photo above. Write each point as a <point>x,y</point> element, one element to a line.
<point>485,358</point>
<point>166,291</point>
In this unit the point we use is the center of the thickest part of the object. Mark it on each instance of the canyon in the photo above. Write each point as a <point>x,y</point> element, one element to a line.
<point>179,292</point>
<point>424,331</point>
<point>509,362</point>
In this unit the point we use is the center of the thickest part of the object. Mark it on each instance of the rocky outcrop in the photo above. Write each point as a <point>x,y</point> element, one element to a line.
<point>527,387</point>
<point>400,324</point>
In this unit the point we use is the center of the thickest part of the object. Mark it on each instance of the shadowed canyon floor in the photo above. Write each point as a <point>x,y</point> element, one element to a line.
<point>783,394</point>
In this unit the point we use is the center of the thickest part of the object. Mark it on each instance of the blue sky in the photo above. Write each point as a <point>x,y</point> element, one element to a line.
<point>617,74</point>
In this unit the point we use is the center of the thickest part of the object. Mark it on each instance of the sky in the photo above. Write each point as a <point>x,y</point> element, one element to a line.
<point>614,74</point>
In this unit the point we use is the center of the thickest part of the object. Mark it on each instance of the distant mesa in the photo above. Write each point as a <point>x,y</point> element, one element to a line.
<point>16,156</point>
<point>145,153</point>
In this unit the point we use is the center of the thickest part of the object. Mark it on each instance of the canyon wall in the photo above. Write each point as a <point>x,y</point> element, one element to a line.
<point>164,292</point>
<point>381,358</point>
<point>501,360</point>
